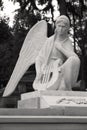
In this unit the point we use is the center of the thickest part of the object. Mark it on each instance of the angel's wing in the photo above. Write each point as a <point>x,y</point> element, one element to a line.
<point>34,41</point>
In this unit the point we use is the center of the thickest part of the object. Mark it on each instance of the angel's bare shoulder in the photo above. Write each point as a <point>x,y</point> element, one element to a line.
<point>69,44</point>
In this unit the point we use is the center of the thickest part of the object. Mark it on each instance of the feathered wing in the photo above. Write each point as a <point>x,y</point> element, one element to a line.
<point>34,41</point>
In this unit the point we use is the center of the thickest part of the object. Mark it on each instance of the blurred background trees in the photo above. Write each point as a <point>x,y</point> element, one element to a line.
<point>29,13</point>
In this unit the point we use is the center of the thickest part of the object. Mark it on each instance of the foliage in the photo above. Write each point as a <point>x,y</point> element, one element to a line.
<point>29,13</point>
<point>5,49</point>
<point>1,5</point>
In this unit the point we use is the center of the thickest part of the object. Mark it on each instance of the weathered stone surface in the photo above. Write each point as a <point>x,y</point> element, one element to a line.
<point>46,100</point>
<point>29,103</point>
<point>52,93</point>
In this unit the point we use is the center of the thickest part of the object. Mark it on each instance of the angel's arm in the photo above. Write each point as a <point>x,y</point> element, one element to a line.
<point>67,50</point>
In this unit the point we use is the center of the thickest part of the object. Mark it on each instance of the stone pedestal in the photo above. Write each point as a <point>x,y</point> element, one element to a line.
<point>30,103</point>
<point>49,99</point>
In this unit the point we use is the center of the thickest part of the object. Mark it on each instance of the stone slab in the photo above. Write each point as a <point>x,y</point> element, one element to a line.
<point>28,95</point>
<point>69,108</point>
<point>52,93</point>
<point>36,100</point>
<point>29,103</point>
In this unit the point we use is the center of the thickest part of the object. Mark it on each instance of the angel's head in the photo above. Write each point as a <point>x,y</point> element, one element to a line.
<point>62,24</point>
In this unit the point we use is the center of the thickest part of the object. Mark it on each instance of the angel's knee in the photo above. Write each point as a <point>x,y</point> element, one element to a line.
<point>75,60</point>
<point>73,63</point>
<point>71,70</point>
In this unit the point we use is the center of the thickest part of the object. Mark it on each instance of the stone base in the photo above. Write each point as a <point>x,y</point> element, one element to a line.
<point>48,99</point>
<point>29,103</point>
<point>52,93</point>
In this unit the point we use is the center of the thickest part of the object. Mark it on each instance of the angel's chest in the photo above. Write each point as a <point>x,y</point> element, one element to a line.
<point>55,54</point>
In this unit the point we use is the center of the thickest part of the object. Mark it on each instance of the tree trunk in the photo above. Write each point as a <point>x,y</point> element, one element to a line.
<point>63,9</point>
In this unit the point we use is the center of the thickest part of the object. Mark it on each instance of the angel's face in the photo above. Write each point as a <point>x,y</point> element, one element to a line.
<point>61,27</point>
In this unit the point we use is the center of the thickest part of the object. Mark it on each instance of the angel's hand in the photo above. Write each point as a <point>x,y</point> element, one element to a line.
<point>41,71</point>
<point>58,62</point>
<point>38,76</point>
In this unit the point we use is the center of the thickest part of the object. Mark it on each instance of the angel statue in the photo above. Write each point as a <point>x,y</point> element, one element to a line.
<point>57,65</point>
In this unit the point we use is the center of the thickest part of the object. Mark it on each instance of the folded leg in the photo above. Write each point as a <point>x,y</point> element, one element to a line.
<point>70,71</point>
